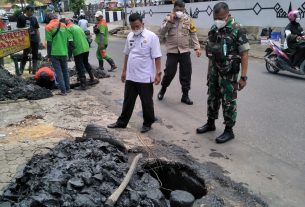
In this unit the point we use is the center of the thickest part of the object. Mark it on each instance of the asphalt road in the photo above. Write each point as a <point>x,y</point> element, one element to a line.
<point>267,154</point>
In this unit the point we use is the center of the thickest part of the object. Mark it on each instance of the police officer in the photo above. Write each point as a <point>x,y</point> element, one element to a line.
<point>227,47</point>
<point>180,29</point>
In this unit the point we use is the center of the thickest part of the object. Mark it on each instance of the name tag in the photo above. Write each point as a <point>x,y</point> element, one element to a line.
<point>131,43</point>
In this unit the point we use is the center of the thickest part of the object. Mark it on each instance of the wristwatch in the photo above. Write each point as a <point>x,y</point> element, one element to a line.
<point>244,78</point>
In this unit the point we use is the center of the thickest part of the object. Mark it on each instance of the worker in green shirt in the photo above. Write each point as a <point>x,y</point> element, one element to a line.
<point>101,31</point>
<point>57,36</point>
<point>80,53</point>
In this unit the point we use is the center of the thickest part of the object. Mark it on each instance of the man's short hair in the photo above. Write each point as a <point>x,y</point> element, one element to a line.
<point>179,4</point>
<point>135,16</point>
<point>220,6</point>
<point>29,8</point>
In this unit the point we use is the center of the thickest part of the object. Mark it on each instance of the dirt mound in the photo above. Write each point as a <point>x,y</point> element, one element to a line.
<point>81,174</point>
<point>13,87</point>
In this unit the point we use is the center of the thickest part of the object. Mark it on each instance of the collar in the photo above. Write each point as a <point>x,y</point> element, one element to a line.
<point>143,34</point>
<point>54,21</point>
<point>230,22</point>
<point>70,24</point>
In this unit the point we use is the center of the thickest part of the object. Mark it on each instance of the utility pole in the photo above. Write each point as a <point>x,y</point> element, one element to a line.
<point>125,13</point>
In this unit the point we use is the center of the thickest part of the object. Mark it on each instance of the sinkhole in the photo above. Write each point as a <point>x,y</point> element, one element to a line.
<point>175,176</point>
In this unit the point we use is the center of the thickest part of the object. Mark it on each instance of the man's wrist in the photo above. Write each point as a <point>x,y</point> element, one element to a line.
<point>244,78</point>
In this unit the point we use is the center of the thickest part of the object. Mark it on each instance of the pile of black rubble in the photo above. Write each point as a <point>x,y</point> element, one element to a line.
<point>81,174</point>
<point>13,87</point>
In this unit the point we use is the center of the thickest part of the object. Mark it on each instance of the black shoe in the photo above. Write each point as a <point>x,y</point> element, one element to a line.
<point>185,99</point>
<point>227,135</point>
<point>206,128</point>
<point>93,82</point>
<point>145,129</point>
<point>161,93</point>
<point>116,125</point>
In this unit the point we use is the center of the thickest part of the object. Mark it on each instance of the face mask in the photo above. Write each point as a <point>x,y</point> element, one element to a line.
<point>138,32</point>
<point>298,19</point>
<point>179,14</point>
<point>220,23</point>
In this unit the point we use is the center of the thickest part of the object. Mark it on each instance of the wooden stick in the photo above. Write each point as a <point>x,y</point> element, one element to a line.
<point>116,194</point>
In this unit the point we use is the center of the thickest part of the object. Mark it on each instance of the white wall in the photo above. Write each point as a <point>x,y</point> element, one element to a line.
<point>263,13</point>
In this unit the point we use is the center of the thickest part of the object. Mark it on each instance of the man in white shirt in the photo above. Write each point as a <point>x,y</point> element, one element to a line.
<point>142,68</point>
<point>83,23</point>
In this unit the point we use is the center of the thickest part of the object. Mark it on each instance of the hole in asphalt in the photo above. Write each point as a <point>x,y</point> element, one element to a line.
<point>176,176</point>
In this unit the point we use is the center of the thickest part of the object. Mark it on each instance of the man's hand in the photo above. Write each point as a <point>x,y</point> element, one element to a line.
<point>171,17</point>
<point>241,84</point>
<point>123,76</point>
<point>157,78</point>
<point>198,52</point>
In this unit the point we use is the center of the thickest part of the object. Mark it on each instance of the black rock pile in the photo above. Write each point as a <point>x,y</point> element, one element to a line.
<point>13,88</point>
<point>81,174</point>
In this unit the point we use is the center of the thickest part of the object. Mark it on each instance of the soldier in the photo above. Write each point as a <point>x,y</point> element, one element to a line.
<point>180,29</point>
<point>227,47</point>
<point>101,31</point>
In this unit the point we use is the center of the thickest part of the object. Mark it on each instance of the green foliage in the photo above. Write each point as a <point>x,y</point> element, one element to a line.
<point>77,5</point>
<point>17,13</point>
<point>117,9</point>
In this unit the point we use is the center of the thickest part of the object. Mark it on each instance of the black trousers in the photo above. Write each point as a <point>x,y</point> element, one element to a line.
<point>70,49</point>
<point>79,64</point>
<point>145,91</point>
<point>34,49</point>
<point>86,62</point>
<point>185,73</point>
<point>299,56</point>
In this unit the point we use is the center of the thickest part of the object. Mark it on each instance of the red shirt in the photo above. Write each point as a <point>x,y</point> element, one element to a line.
<point>48,71</point>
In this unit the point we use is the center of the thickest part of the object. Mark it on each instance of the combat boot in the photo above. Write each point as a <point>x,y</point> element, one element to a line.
<point>227,135</point>
<point>112,64</point>
<point>161,93</point>
<point>186,99</point>
<point>83,84</point>
<point>101,64</point>
<point>209,126</point>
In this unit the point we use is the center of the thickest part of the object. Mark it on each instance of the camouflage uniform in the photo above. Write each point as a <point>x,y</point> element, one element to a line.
<point>224,70</point>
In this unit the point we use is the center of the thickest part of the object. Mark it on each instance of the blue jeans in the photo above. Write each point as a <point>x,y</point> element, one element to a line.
<point>62,74</point>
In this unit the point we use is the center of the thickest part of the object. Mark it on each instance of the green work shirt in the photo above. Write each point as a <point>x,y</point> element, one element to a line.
<point>103,30</point>
<point>60,41</point>
<point>80,42</point>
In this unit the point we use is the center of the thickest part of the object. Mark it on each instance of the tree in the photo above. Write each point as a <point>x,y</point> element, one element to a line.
<point>77,5</point>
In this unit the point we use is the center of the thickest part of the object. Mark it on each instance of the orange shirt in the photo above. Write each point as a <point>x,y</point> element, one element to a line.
<point>48,71</point>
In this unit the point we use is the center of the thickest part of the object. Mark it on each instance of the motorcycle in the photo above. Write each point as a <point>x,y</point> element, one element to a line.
<point>89,37</point>
<point>278,59</point>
